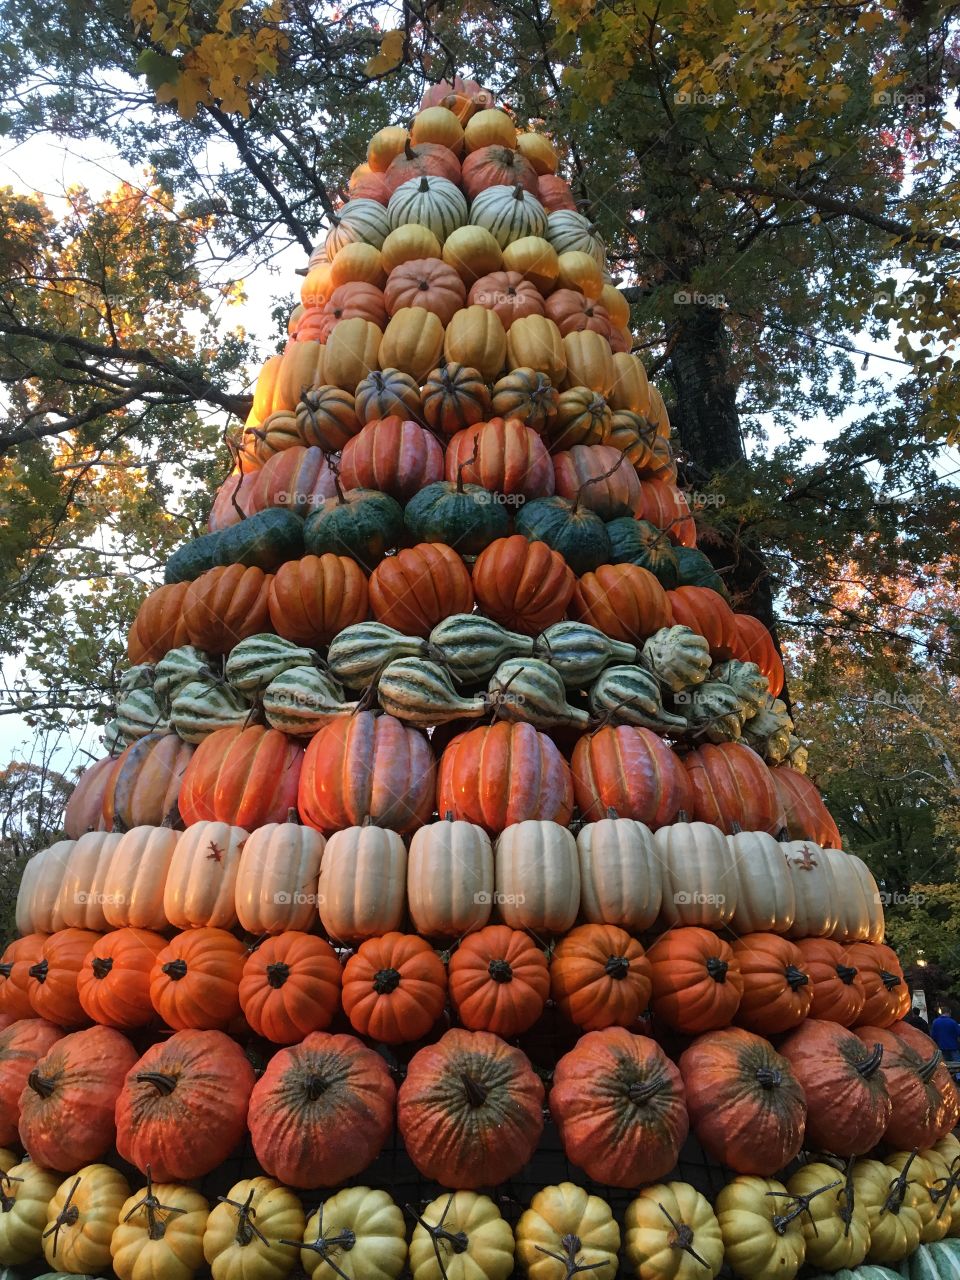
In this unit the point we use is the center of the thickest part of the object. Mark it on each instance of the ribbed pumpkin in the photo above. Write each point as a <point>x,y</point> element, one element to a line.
<point>535,342</point>
<point>352,350</point>
<point>201,882</point>
<point>313,598</point>
<point>244,1232</point>
<point>620,881</point>
<point>327,418</point>
<point>436,124</point>
<point>503,456</point>
<point>290,986</point>
<point>573,312</point>
<point>707,613</point>
<point>114,982</point>
<point>367,767</point>
<point>470,1110</point>
<point>395,456</point>
<point>527,395</point>
<point>696,980</point>
<point>618,1102</point>
<point>776,988</point>
<point>387,391</point>
<point>385,144</point>
<point>143,784</point>
<point>429,283</point>
<point>460,1233</point>
<point>195,979</point>
<point>362,220</point>
<point>244,777</point>
<point>82,812</point>
<point>420,586</point>
<point>38,896</point>
<point>664,505</point>
<point>160,1231</point>
<point>672,1232</point>
<point>429,159</point>
<point>394,988</point>
<point>279,865</point>
<point>754,643</point>
<point>745,1104</point>
<point>499,981</point>
<point>583,418</point>
<point>183,1107</point>
<point>296,479</point>
<point>357,299</point>
<point>26,1191</point>
<point>537,877</point>
<point>449,879</point>
<point>600,476</point>
<point>455,397</point>
<point>321,1111</point>
<point>500,774</point>
<point>434,202</point>
<point>886,994</point>
<point>476,337</point>
<point>600,977</point>
<point>82,1217</point>
<point>918,1116</point>
<point>225,605</point>
<point>838,993</point>
<point>17,959</point>
<point>731,786</point>
<point>508,295</point>
<point>623,601</point>
<point>576,1230</point>
<point>525,586</point>
<point>806,816</point>
<point>159,625</point>
<point>497,166</point>
<point>359,262</point>
<point>52,979</point>
<point>362,881</point>
<point>472,252</point>
<point>22,1045</point>
<point>630,771</point>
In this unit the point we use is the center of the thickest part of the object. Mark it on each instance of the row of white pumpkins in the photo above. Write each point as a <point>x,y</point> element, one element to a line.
<point>452,879</point>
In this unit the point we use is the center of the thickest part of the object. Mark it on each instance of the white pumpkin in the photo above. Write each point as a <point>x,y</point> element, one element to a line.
<point>858,898</point>
<point>276,885</point>
<point>814,888</point>
<point>83,889</point>
<point>137,879</point>
<point>39,893</point>
<point>359,220</point>
<point>450,879</point>
<point>765,897</point>
<point>508,213</point>
<point>430,202</point>
<point>620,880</point>
<point>362,885</point>
<point>699,875</point>
<point>871,890</point>
<point>537,876</point>
<point>202,877</point>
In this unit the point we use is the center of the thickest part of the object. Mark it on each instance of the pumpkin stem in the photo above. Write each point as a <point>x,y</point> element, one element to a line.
<point>424,184</point>
<point>717,968</point>
<point>334,468</point>
<point>246,1229</point>
<point>457,1241</point>
<point>518,191</point>
<point>162,1083</point>
<point>846,973</point>
<point>801,1205</point>
<point>617,967</point>
<point>929,1067</point>
<point>6,969</point>
<point>233,496</point>
<point>156,1224</point>
<point>324,1245</point>
<point>596,480</point>
<point>500,970</point>
<point>847,1198</point>
<point>640,1090</point>
<point>735,828</point>
<point>898,1187</point>
<point>890,980</point>
<point>385,981</point>
<point>67,1217</point>
<point>795,977</point>
<point>769,1077</point>
<point>467,462</point>
<point>408,151</point>
<point>571,1247</point>
<point>277,974</point>
<point>682,1236</point>
<point>611,812</point>
<point>316,1087</point>
<point>101,966</point>
<point>475,1091</point>
<point>682,816</point>
<point>943,1188</point>
<point>39,971</point>
<point>175,969</point>
<point>40,1084</point>
<point>7,1202</point>
<point>870,1065</point>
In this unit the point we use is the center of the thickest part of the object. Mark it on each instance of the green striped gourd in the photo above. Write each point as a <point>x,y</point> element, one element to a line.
<point>579,653</point>
<point>364,220</point>
<point>939,1260</point>
<point>183,666</point>
<point>529,691</point>
<point>200,709</point>
<point>258,660</point>
<point>112,738</point>
<point>194,557</point>
<point>569,231</point>
<point>768,732</point>
<point>265,540</point>
<point>139,714</point>
<point>429,201</point>
<point>357,655</point>
<point>677,656</point>
<point>508,213</point>
<point>471,646</point>
<point>631,695</point>
<point>138,677</point>
<point>302,700</point>
<point>746,679</point>
<point>712,710</point>
<point>797,754</point>
<point>421,693</point>
<point>868,1271</point>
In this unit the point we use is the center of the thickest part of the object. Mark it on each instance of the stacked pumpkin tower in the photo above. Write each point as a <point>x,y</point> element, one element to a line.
<point>451,810</point>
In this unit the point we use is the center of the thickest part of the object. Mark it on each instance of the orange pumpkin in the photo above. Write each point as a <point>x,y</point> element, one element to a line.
<point>805,815</point>
<point>502,456</point>
<point>52,979</point>
<point>369,186</point>
<point>397,457</point>
<point>663,504</point>
<point>463,97</point>
<point>84,811</point>
<point>143,786</point>
<point>573,312</point>
<point>525,586</point>
<point>17,959</point>
<point>497,166</point>
<point>730,786</point>
<point>599,477</point>
<point>195,980</point>
<point>314,598</point>
<point>427,159</point>
<point>114,981</point>
<point>754,643</point>
<point>631,771</point>
<point>159,625</point>
<point>499,980</point>
<point>355,300</point>
<point>415,589</point>
<point>836,987</point>
<point>600,977</point>
<point>225,605</point>
<point>555,194</point>
<point>394,988</point>
<point>244,777</point>
<point>327,418</point>
<point>429,283</point>
<point>624,601</point>
<point>22,1044</point>
<point>367,767</point>
<point>507,294</point>
<point>455,397</point>
<point>290,987</point>
<point>706,612</point>
<point>496,775</point>
<point>696,980</point>
<point>886,994</point>
<point>777,995</point>
<point>918,1083</point>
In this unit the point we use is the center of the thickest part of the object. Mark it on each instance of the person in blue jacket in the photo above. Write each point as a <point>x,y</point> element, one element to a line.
<point>945,1030</point>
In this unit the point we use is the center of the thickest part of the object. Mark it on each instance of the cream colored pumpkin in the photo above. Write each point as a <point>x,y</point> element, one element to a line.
<point>363,878</point>
<point>672,1233</point>
<point>137,879</point>
<point>537,877</point>
<point>461,1236</point>
<point>39,893</point>
<point>450,879</point>
<point>202,878</point>
<point>765,897</point>
<point>277,878</point>
<point>82,1216</point>
<point>620,877</point>
<point>565,1231</point>
<point>25,1192</point>
<point>242,1239</point>
<point>699,875</point>
<point>814,889</point>
<point>361,1232</point>
<point>83,889</point>
<point>861,906</point>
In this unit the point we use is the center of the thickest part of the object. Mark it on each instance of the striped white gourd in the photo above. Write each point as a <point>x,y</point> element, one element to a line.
<point>429,202</point>
<point>359,220</point>
<point>472,646</point>
<point>571,232</point>
<point>182,666</point>
<point>139,714</point>
<point>508,213</point>
<point>358,653</point>
<point>138,677</point>
<point>257,661</point>
<point>302,700</point>
<point>580,652</point>
<point>421,693</point>
<point>527,690</point>
<point>631,695</point>
<point>201,709</point>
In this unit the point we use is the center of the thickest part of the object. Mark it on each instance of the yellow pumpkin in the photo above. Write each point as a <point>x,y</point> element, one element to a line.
<point>440,126</point>
<point>577,270</point>
<point>317,286</point>
<point>946,1191</point>
<point>384,146</point>
<point>358,1234</point>
<point>658,414</point>
<point>589,361</point>
<point>263,391</point>
<point>245,1233</point>
<point>82,1216</point>
<point>358,262</point>
<point>618,308</point>
<point>475,337</point>
<point>672,1233</point>
<point>760,1224</point>
<point>25,1192</point>
<point>534,342</point>
<point>412,342</point>
<point>301,367</point>
<point>566,1230</point>
<point>160,1234</point>
<point>924,1174</point>
<point>461,1236</point>
<point>472,252</point>
<point>893,1204</point>
<point>352,352</point>
<point>539,151</point>
<point>536,259</point>
<point>490,128</point>
<point>630,388</point>
<point>836,1227</point>
<point>410,243</point>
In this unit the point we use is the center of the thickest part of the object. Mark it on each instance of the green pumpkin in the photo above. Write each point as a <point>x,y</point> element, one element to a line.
<point>695,570</point>
<point>465,516</point>
<point>302,700</point>
<point>572,530</point>
<point>712,710</point>
<point>357,655</point>
<point>640,542</point>
<point>183,666</point>
<point>748,681</point>
<point>194,558</point>
<point>421,693</point>
<point>631,695</point>
<point>580,652</point>
<point>264,541</point>
<point>470,646</point>
<point>200,709</point>
<point>529,691</point>
<point>939,1260</point>
<point>140,713</point>
<point>255,662</point>
<point>363,524</point>
<point>139,677</point>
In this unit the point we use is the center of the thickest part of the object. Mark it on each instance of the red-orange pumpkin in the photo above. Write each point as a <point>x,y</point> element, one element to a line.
<point>886,994</point>
<point>497,166</point>
<point>631,771</point>
<point>355,300</point>
<point>730,785</point>
<point>776,988</point>
<point>940,1077</point>
<point>394,988</point>
<point>142,788</point>
<point>52,979</point>
<point>159,625</point>
<point>600,977</point>
<point>745,1103</point>
<point>754,643</point>
<point>246,777</point>
<point>419,587</point>
<point>297,478</point>
<point>618,1102</point>
<point>499,980</point>
<point>429,283</point>
<point>555,194</point>
<point>806,817</point>
<point>525,586</point>
<point>601,476</point>
<point>508,294</point>
<point>195,980</point>
<point>322,1111</point>
<point>367,767</point>
<point>394,456</point>
<point>114,982</point>
<point>573,312</point>
<point>708,614</point>
<point>838,994</point>
<point>84,808</point>
<point>696,980</point>
<point>234,492</point>
<point>15,964</point>
<point>470,1110</point>
<point>462,97</point>
<point>662,503</point>
<point>426,159</point>
<point>22,1044</point>
<point>224,606</point>
<point>501,455</point>
<point>290,987</point>
<point>68,1103</point>
<point>496,775</point>
<point>183,1106</point>
<point>312,599</point>
<point>369,186</point>
<point>624,601</point>
<point>919,1116</point>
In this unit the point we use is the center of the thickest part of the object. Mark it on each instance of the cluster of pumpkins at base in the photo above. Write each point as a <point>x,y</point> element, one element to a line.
<point>447,799</point>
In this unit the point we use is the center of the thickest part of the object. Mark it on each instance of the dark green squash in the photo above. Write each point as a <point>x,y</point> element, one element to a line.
<point>193,558</point>
<point>697,571</point>
<point>363,524</point>
<point>576,532</point>
<point>640,542</point>
<point>266,540</point>
<point>465,516</point>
